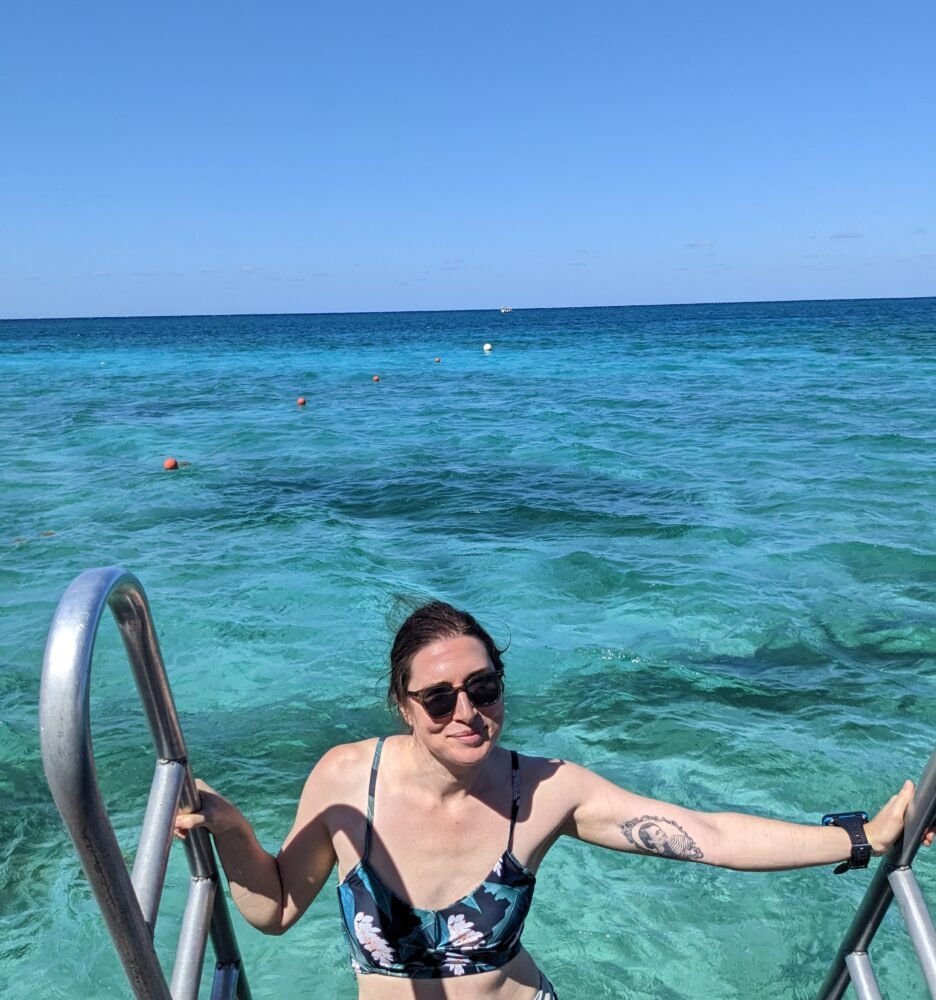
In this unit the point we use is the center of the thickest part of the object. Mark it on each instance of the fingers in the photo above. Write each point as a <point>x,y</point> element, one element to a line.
<point>184,820</point>
<point>188,821</point>
<point>898,803</point>
<point>902,800</point>
<point>210,811</point>
<point>887,824</point>
<point>902,797</point>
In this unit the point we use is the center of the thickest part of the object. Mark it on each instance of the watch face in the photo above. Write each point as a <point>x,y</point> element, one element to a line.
<point>841,819</point>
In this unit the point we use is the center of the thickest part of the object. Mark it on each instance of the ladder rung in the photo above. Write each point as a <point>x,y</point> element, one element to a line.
<point>193,938</point>
<point>152,857</point>
<point>862,975</point>
<point>918,921</point>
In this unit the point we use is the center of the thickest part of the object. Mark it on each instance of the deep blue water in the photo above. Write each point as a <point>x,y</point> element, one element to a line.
<point>707,531</point>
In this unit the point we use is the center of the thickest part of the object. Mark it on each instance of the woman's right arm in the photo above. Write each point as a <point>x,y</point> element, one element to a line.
<point>271,892</point>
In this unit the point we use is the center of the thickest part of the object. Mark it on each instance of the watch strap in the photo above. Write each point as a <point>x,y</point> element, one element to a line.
<point>853,824</point>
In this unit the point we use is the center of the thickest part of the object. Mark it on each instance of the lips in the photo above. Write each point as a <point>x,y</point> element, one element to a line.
<point>471,736</point>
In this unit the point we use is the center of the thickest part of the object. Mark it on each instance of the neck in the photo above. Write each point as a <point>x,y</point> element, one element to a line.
<point>443,777</point>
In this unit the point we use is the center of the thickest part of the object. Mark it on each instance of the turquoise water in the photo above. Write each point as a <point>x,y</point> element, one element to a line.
<point>707,532</point>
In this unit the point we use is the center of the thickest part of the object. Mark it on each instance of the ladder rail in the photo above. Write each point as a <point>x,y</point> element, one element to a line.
<point>920,816</point>
<point>68,760</point>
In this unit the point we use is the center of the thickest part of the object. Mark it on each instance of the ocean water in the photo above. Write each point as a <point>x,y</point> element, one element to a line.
<point>707,533</point>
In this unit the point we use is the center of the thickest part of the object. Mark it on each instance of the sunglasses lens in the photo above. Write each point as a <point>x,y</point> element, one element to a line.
<point>485,690</point>
<point>440,703</point>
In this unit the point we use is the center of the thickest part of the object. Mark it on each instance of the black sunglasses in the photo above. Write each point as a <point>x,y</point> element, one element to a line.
<point>483,690</point>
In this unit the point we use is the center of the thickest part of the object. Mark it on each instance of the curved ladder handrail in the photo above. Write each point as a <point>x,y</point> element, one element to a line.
<point>893,876</point>
<point>129,905</point>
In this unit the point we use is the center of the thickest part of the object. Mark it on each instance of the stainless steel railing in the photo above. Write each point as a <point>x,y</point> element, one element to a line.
<point>130,903</point>
<point>893,879</point>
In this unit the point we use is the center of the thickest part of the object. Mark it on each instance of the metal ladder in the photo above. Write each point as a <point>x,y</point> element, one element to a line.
<point>130,904</point>
<point>893,879</point>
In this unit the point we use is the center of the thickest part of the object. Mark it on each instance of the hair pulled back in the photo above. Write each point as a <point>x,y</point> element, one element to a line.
<point>428,624</point>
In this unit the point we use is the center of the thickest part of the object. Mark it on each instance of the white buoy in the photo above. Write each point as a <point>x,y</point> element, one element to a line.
<point>488,348</point>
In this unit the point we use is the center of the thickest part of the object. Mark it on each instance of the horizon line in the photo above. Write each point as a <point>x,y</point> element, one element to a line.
<point>481,309</point>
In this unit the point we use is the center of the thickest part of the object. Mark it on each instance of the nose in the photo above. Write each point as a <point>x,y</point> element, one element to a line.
<point>463,707</point>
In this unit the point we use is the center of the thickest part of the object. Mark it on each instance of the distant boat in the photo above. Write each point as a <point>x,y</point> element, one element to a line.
<point>506,309</point>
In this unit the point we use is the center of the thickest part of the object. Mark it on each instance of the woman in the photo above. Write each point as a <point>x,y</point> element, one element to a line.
<point>416,821</point>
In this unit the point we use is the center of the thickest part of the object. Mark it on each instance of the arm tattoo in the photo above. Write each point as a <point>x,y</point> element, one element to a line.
<point>663,837</point>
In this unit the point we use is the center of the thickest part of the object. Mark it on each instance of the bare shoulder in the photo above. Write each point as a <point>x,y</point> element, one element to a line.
<point>561,788</point>
<point>339,759</point>
<point>339,773</point>
<point>554,774</point>
<point>550,793</point>
<point>552,783</point>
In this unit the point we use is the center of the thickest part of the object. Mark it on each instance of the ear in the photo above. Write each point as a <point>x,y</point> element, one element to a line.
<point>406,713</point>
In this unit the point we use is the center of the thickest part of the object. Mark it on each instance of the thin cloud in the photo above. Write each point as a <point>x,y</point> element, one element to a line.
<point>249,268</point>
<point>452,264</point>
<point>700,245</point>
<point>919,231</point>
<point>582,253</point>
<point>847,236</point>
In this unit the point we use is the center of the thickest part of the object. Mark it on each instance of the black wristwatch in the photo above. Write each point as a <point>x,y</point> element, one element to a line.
<point>853,824</point>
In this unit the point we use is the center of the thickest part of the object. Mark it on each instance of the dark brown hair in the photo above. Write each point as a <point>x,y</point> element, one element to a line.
<point>426,625</point>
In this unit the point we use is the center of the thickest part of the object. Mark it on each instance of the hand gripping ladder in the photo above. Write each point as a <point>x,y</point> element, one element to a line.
<point>130,904</point>
<point>894,878</point>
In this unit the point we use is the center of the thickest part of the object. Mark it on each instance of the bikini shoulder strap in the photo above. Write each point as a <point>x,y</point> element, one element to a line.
<point>372,788</point>
<point>515,787</point>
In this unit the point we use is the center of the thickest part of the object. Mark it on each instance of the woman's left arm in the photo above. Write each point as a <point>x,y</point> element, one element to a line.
<point>599,812</point>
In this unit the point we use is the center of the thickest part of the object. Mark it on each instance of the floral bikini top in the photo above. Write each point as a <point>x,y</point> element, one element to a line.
<point>479,933</point>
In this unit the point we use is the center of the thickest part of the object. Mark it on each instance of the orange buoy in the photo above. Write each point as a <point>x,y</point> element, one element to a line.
<point>376,378</point>
<point>300,401</point>
<point>170,464</point>
<point>437,360</point>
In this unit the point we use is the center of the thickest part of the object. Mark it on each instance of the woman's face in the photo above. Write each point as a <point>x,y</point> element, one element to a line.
<point>468,733</point>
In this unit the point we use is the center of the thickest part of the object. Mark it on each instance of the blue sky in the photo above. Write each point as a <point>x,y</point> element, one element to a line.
<point>304,157</point>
